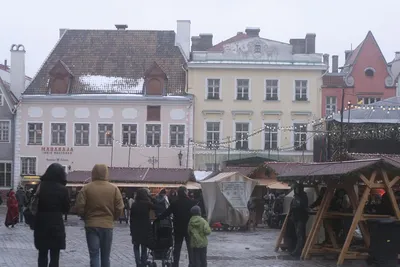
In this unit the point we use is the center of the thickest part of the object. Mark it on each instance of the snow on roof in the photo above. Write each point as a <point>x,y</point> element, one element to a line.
<point>201,175</point>
<point>112,84</point>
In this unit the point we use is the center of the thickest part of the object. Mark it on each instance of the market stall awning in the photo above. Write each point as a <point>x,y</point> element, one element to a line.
<point>189,185</point>
<point>272,184</point>
<point>279,186</point>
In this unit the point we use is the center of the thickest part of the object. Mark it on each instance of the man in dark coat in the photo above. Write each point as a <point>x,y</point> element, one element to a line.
<point>49,229</point>
<point>299,217</point>
<point>22,201</point>
<point>181,212</point>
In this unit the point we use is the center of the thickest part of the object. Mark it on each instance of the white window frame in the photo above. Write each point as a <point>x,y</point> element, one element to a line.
<point>51,133</point>
<point>278,143</point>
<point>330,104</point>
<point>248,139</point>
<point>206,88</point>
<point>89,137</point>
<point>184,134</point>
<point>220,130</point>
<point>98,136</point>
<point>145,134</point>
<point>36,165</point>
<point>363,98</point>
<point>293,133</point>
<point>307,93</point>
<point>237,89</point>
<point>122,133</point>
<point>27,133</point>
<point>9,132</point>
<point>12,169</point>
<point>278,89</point>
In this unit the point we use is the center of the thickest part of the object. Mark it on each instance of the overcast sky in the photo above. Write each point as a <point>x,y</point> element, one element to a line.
<point>338,24</point>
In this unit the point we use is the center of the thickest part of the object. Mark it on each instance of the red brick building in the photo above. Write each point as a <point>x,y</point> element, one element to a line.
<point>366,77</point>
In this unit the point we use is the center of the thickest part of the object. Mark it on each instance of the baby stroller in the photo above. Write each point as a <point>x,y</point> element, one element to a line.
<point>160,248</point>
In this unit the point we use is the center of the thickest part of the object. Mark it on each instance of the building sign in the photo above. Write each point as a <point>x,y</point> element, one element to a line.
<point>235,193</point>
<point>57,160</point>
<point>55,150</point>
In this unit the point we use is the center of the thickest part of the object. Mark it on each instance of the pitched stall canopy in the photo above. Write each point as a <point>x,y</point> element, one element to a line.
<point>373,173</point>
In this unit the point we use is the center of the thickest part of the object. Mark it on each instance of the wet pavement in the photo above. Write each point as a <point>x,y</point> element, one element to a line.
<point>233,249</point>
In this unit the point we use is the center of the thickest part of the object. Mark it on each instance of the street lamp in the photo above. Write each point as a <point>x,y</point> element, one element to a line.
<point>109,135</point>
<point>180,155</point>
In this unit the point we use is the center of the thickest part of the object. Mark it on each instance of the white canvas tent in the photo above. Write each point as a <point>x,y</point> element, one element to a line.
<point>225,198</point>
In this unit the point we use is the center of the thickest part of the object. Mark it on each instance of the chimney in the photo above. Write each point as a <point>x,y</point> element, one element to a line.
<point>310,43</point>
<point>195,43</point>
<point>335,64</point>
<point>252,32</point>
<point>206,41</point>
<point>182,37</point>
<point>62,31</point>
<point>298,46</point>
<point>397,55</point>
<point>121,27</point>
<point>347,54</point>
<point>326,60</point>
<point>17,76</point>
<point>5,63</point>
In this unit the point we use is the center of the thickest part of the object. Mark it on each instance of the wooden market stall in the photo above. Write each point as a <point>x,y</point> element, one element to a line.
<point>365,175</point>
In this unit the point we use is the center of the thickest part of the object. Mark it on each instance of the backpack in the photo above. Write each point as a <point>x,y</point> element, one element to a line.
<point>161,205</point>
<point>31,210</point>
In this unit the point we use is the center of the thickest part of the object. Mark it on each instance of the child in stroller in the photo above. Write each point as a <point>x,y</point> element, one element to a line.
<point>161,243</point>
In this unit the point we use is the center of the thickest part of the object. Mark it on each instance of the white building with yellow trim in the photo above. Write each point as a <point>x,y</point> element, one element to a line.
<point>249,88</point>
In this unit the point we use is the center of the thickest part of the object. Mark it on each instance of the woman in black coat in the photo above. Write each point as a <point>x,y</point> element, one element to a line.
<point>49,229</point>
<point>141,225</point>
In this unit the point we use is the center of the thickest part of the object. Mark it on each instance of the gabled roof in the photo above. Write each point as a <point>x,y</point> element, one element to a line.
<point>356,52</point>
<point>10,98</point>
<point>113,61</point>
<point>220,46</point>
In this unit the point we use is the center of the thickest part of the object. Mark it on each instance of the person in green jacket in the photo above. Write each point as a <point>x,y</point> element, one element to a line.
<point>198,230</point>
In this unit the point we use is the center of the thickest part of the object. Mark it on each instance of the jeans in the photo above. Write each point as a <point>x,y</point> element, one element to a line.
<point>21,214</point>
<point>140,251</point>
<point>178,246</point>
<point>300,226</point>
<point>43,260</point>
<point>99,242</point>
<point>200,257</point>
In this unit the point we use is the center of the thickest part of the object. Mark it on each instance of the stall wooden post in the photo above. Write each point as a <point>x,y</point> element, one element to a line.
<point>282,233</point>
<point>389,190</point>
<point>357,217</point>
<point>318,222</point>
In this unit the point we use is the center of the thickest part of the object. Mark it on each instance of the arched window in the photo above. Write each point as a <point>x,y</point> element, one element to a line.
<point>369,72</point>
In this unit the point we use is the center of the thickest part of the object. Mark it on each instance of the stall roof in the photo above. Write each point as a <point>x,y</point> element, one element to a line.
<point>138,175</point>
<point>335,169</point>
<point>189,185</point>
<point>374,113</point>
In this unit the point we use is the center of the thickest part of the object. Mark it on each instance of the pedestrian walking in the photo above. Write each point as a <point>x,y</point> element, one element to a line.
<point>99,203</point>
<point>198,230</point>
<point>140,226</point>
<point>180,209</point>
<point>22,202</point>
<point>49,230</point>
<point>12,210</point>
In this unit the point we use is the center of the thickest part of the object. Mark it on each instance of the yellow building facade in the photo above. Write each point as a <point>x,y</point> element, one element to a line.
<point>254,97</point>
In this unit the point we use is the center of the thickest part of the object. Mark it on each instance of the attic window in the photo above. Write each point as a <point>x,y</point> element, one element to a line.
<point>257,48</point>
<point>369,72</point>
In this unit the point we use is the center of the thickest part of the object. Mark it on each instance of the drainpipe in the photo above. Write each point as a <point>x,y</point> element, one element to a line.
<point>186,77</point>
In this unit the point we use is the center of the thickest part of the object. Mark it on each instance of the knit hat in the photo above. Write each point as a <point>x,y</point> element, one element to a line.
<point>195,210</point>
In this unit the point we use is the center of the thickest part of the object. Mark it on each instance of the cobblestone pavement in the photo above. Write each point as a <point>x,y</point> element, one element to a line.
<point>232,249</point>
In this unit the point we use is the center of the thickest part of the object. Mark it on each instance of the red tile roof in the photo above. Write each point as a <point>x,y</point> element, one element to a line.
<point>331,170</point>
<point>138,175</point>
<point>333,80</point>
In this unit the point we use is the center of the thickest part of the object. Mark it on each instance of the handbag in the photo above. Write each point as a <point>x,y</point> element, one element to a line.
<point>32,209</point>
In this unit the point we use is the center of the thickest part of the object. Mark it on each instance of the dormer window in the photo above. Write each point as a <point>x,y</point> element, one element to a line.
<point>155,79</point>
<point>257,49</point>
<point>369,72</point>
<point>60,79</point>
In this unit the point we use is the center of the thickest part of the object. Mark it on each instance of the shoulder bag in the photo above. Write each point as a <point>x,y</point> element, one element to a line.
<point>32,209</point>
